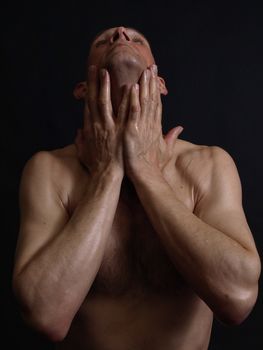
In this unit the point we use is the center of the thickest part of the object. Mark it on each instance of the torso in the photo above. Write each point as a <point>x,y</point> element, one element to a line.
<point>138,300</point>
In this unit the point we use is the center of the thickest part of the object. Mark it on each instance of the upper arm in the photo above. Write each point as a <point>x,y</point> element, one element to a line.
<point>42,214</point>
<point>220,199</point>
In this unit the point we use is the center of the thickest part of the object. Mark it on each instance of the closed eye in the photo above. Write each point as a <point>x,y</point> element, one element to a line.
<point>101,42</point>
<point>138,40</point>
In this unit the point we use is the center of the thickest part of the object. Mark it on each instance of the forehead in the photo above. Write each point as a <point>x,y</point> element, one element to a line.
<point>110,31</point>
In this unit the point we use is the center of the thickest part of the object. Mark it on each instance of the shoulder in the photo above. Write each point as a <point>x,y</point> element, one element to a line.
<point>203,157</point>
<point>52,170</point>
<point>207,155</point>
<point>206,164</point>
<point>51,162</point>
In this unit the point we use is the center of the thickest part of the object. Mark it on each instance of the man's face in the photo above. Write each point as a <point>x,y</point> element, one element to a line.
<point>119,44</point>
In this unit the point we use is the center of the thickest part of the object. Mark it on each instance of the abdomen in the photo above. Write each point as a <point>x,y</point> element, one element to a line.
<point>141,321</point>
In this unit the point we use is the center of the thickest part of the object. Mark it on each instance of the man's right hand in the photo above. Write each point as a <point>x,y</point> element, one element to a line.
<point>99,143</point>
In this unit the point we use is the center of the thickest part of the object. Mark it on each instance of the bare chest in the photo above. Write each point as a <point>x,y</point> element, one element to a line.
<point>135,259</point>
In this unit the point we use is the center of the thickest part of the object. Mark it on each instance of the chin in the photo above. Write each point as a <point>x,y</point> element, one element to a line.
<point>119,60</point>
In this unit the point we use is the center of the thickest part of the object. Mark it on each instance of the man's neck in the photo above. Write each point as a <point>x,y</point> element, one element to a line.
<point>122,75</point>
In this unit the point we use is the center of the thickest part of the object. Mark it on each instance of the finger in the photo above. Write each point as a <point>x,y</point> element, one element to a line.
<point>173,135</point>
<point>124,105</point>
<point>158,114</point>
<point>153,90</point>
<point>135,108</point>
<point>92,94</point>
<point>86,117</point>
<point>104,101</point>
<point>159,110</point>
<point>144,91</point>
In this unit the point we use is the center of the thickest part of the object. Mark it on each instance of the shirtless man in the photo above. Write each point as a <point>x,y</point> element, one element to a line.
<point>130,239</point>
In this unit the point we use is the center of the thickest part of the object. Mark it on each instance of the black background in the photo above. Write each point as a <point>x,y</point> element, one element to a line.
<point>211,56</point>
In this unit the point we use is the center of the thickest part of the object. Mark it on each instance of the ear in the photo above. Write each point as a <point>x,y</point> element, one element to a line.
<point>162,86</point>
<point>80,90</point>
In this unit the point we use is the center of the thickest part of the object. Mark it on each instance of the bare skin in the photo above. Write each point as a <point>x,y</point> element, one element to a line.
<point>129,239</point>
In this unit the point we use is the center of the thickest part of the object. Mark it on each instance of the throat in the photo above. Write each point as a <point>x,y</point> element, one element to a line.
<point>122,75</point>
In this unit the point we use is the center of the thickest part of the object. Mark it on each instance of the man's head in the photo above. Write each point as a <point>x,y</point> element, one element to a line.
<point>120,45</point>
<point>125,53</point>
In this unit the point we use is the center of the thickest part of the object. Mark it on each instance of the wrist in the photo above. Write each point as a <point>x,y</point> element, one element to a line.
<point>104,182</point>
<point>107,173</point>
<point>143,171</point>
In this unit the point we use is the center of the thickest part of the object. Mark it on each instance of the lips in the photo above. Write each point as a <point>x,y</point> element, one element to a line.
<point>117,45</point>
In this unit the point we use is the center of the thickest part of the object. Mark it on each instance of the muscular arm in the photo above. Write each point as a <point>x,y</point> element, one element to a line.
<point>58,258</point>
<point>213,247</point>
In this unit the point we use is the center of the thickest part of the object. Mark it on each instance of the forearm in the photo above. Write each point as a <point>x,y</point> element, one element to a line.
<point>214,265</point>
<point>56,280</point>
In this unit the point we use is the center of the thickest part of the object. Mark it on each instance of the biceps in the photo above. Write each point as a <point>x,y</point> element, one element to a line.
<point>220,201</point>
<point>231,221</point>
<point>38,227</point>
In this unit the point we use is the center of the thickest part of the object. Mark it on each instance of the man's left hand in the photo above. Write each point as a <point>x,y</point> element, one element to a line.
<point>145,148</point>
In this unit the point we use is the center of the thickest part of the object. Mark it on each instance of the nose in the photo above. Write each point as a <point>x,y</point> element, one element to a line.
<point>120,33</point>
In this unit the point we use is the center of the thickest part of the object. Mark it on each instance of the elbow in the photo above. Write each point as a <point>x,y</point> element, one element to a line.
<point>49,329</point>
<point>238,304</point>
<point>48,323</point>
<point>234,310</point>
<point>53,332</point>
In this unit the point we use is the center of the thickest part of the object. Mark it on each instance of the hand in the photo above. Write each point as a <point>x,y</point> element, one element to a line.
<point>99,143</point>
<point>144,144</point>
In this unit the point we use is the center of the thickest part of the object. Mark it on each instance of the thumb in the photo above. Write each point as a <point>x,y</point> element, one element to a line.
<point>173,134</point>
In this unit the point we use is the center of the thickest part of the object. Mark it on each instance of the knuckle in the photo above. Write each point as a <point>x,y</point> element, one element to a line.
<point>102,102</point>
<point>109,127</point>
<point>152,109</point>
<point>153,98</point>
<point>135,108</point>
<point>144,100</point>
<point>132,127</point>
<point>121,110</point>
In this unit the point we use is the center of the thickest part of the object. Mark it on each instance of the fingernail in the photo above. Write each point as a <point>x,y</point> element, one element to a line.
<point>145,75</point>
<point>180,129</point>
<point>148,73</point>
<point>103,73</point>
<point>155,69</point>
